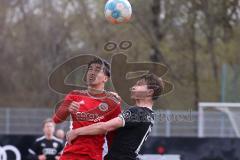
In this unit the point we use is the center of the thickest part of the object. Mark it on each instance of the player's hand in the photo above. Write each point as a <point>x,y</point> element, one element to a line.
<point>74,106</point>
<point>42,157</point>
<point>116,95</point>
<point>71,135</point>
<point>57,157</point>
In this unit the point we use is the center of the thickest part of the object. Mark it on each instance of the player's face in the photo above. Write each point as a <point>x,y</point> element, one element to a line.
<point>95,75</point>
<point>60,134</point>
<point>49,128</point>
<point>140,90</point>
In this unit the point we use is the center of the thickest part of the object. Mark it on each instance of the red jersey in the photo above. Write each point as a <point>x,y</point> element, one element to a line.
<point>92,109</point>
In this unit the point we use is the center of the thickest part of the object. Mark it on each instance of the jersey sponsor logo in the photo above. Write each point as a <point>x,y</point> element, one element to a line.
<point>103,107</point>
<point>83,116</point>
<point>49,151</point>
<point>98,119</point>
<point>9,149</point>
<point>55,144</point>
<point>43,145</point>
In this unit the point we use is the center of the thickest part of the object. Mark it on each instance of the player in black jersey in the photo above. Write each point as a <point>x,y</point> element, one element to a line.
<point>133,125</point>
<point>46,147</point>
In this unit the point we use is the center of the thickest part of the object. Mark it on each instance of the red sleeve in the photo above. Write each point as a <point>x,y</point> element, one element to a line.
<point>114,114</point>
<point>62,112</point>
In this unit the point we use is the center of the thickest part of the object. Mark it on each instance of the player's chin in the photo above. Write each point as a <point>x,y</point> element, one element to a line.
<point>134,97</point>
<point>92,83</point>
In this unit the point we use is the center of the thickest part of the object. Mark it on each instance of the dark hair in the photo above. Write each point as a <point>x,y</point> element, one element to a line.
<point>48,120</point>
<point>155,83</point>
<point>103,63</point>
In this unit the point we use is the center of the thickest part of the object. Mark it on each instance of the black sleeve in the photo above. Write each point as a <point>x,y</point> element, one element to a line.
<point>60,148</point>
<point>33,152</point>
<point>129,117</point>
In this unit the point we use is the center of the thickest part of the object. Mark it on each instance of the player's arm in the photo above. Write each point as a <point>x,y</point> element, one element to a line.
<point>63,112</point>
<point>95,129</point>
<point>33,152</point>
<point>59,150</point>
<point>110,135</point>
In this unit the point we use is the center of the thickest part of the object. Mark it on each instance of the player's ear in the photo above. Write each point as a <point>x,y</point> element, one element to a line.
<point>150,92</point>
<point>105,79</point>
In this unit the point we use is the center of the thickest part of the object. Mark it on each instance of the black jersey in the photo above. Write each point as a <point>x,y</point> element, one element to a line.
<point>50,148</point>
<point>138,122</point>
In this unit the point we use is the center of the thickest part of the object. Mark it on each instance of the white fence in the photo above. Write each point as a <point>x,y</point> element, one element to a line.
<point>24,120</point>
<point>167,123</point>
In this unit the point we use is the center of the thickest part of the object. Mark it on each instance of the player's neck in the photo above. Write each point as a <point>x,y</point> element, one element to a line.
<point>144,103</point>
<point>48,137</point>
<point>96,89</point>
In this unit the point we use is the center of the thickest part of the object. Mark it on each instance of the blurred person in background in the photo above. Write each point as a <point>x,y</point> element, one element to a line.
<point>60,134</point>
<point>47,147</point>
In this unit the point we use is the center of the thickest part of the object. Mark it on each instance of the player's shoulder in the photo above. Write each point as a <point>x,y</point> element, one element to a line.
<point>113,97</point>
<point>78,92</point>
<point>137,110</point>
<point>57,139</point>
<point>39,139</point>
<point>129,111</point>
<point>133,108</point>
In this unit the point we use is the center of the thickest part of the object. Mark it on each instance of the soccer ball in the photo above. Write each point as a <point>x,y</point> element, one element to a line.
<point>118,11</point>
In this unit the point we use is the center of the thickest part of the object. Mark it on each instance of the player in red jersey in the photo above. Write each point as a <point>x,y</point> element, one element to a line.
<point>94,105</point>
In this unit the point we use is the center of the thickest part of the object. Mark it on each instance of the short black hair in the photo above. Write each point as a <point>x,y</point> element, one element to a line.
<point>155,83</point>
<point>103,63</point>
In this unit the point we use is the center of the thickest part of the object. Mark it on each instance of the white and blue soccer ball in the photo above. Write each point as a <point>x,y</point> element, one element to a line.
<point>118,11</point>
